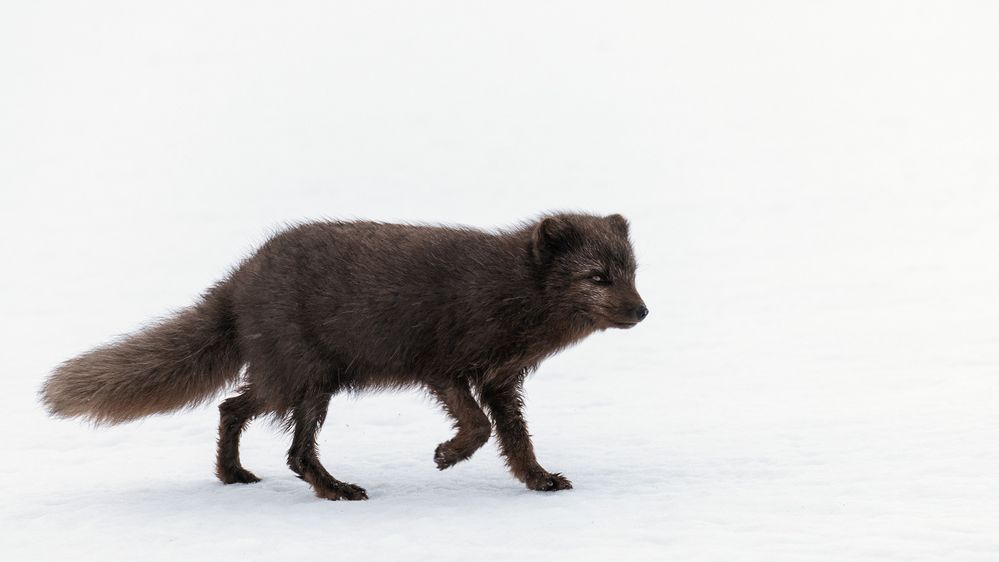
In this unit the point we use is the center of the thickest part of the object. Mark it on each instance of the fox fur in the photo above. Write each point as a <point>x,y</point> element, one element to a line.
<point>329,307</point>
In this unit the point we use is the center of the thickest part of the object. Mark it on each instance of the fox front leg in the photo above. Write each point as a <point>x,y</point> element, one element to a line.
<point>506,405</point>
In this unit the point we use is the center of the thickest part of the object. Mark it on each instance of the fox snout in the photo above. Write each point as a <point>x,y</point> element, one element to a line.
<point>628,313</point>
<point>641,312</point>
<point>633,315</point>
<point>634,306</point>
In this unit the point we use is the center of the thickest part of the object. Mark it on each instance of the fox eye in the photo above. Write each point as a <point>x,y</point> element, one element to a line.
<point>600,279</point>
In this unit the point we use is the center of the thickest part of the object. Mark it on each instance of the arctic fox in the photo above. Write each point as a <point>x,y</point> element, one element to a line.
<point>329,307</point>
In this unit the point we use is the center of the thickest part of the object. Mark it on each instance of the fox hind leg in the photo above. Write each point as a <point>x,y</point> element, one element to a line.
<point>303,458</point>
<point>235,414</point>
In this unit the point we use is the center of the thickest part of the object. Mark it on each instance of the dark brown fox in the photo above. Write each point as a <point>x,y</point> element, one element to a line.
<point>329,307</point>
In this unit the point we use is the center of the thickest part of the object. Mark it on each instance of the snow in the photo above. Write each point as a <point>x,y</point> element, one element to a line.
<point>814,193</point>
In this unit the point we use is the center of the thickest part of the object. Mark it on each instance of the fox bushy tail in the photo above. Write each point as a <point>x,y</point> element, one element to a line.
<point>180,361</point>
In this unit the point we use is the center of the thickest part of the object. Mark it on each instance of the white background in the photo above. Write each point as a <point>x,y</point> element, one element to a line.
<point>814,192</point>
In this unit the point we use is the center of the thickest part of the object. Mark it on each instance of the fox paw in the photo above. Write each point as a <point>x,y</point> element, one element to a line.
<point>349,492</point>
<point>238,476</point>
<point>548,482</point>
<point>445,457</point>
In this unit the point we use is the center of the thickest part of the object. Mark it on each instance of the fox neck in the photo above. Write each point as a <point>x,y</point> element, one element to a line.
<point>554,324</point>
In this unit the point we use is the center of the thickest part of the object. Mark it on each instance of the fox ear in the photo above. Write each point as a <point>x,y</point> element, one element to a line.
<point>552,236</point>
<point>618,223</point>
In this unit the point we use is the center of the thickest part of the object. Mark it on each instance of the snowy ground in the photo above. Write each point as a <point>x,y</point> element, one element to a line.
<point>815,199</point>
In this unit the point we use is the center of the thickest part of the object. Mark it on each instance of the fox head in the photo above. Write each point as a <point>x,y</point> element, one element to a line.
<point>587,268</point>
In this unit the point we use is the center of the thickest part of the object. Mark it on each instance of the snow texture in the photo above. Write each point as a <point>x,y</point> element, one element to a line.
<point>814,192</point>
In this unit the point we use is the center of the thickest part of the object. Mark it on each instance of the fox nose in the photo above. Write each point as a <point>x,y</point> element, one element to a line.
<point>641,312</point>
